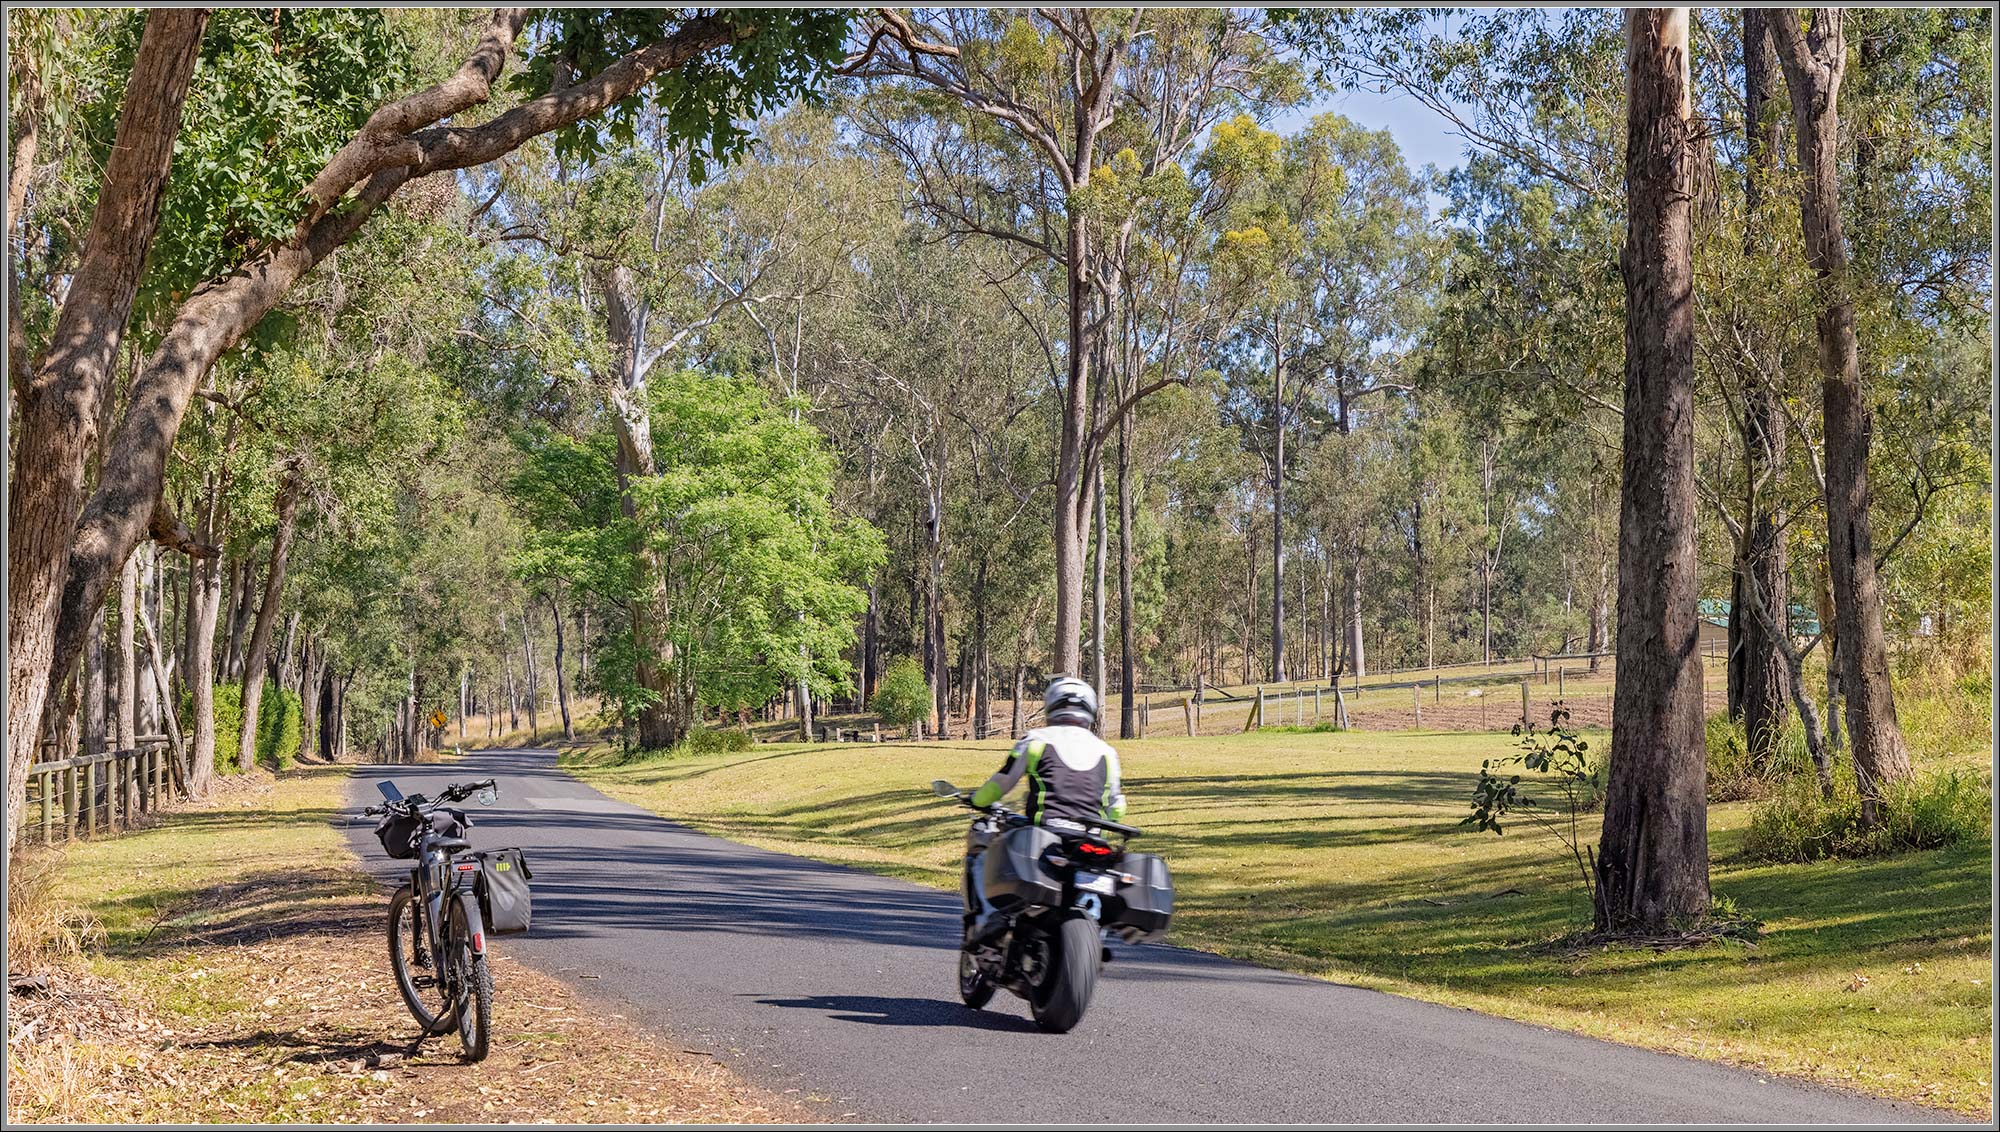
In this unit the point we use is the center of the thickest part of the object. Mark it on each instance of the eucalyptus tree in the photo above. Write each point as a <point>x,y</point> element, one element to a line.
<point>712,67</point>
<point>1006,120</point>
<point>1652,858</point>
<point>1815,62</point>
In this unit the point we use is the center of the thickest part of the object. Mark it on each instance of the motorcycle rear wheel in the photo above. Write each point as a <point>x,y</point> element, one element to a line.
<point>1059,1001</point>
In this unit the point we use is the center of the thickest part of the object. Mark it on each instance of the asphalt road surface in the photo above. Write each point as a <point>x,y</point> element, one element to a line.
<point>840,984</point>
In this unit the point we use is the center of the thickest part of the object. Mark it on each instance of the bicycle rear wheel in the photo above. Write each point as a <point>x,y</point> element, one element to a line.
<point>410,960</point>
<point>474,983</point>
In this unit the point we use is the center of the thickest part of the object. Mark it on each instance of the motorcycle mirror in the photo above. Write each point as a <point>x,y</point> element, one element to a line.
<point>488,795</point>
<point>389,791</point>
<point>943,789</point>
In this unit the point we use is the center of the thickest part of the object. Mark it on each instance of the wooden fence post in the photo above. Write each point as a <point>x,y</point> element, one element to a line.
<point>1525,723</point>
<point>1187,708</point>
<point>90,799</point>
<point>1256,716</point>
<point>70,791</point>
<point>1315,705</point>
<point>1438,695</point>
<point>1417,702</point>
<point>48,804</point>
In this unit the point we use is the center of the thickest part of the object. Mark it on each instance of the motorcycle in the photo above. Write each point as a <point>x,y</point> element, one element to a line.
<point>1055,891</point>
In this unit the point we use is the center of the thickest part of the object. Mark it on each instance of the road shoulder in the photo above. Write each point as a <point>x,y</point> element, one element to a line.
<point>225,965</point>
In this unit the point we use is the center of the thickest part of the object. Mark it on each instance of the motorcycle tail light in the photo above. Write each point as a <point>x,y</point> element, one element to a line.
<point>1094,849</point>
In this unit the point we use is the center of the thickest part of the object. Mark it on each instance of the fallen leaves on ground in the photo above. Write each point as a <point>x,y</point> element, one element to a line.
<point>248,1008</point>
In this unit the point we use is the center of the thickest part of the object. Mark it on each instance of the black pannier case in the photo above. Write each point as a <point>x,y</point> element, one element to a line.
<point>504,902</point>
<point>398,833</point>
<point>1141,910</point>
<point>1014,872</point>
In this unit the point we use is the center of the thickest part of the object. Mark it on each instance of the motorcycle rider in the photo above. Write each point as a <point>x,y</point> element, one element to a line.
<point>1073,777</point>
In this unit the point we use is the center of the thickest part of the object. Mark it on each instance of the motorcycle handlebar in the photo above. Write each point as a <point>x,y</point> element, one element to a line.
<point>1000,811</point>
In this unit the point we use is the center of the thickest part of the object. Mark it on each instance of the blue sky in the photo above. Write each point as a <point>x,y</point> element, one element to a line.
<point>1421,133</point>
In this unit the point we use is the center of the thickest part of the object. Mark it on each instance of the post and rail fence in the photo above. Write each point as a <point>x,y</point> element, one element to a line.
<point>99,794</point>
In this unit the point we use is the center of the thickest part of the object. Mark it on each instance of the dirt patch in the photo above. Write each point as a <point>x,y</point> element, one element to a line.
<point>269,999</point>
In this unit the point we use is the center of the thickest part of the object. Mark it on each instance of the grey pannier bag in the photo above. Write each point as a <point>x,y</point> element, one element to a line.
<point>504,901</point>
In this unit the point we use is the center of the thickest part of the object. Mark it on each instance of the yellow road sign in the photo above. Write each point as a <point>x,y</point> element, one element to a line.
<point>439,718</point>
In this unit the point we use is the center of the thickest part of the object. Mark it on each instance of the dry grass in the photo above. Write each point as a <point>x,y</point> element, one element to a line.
<point>43,931</point>
<point>240,977</point>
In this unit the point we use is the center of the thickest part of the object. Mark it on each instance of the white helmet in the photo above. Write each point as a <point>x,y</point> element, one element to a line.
<point>1069,696</point>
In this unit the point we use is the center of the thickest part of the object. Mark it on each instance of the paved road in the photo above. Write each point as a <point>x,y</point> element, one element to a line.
<point>840,983</point>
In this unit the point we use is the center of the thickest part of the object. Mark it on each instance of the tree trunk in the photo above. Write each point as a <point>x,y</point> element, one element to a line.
<point>57,402</point>
<point>871,642</point>
<point>1019,725</point>
<point>1652,864</point>
<point>267,615</point>
<point>1128,654</point>
<point>288,656</point>
<point>1072,494</point>
<point>1357,654</point>
<point>1099,622</point>
<point>125,665</point>
<point>562,688</point>
<point>242,584</point>
<point>312,670</point>
<point>1600,617</point>
<point>507,667</point>
<point>1814,63</point>
<point>531,673</point>
<point>1759,676</point>
<point>936,669</point>
<point>152,690</point>
<point>649,613</point>
<point>201,672</point>
<point>95,689</point>
<point>1278,522</point>
<point>1250,603</point>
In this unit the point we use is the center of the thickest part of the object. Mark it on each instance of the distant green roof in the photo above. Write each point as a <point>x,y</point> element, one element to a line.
<point>1715,611</point>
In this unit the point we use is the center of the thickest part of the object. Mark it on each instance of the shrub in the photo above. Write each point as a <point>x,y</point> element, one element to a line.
<point>228,724</point>
<point>1731,775</point>
<point>280,718</point>
<point>903,696</point>
<point>716,741</point>
<point>1936,809</point>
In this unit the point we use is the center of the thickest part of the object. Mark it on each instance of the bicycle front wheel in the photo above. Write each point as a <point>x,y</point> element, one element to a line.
<point>410,960</point>
<point>474,984</point>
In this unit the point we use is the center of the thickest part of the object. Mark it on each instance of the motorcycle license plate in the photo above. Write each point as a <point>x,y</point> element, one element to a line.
<point>1094,882</point>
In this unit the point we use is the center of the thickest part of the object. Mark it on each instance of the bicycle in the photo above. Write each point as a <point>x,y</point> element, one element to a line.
<point>437,936</point>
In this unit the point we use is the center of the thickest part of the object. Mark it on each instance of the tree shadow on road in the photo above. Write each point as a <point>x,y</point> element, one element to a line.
<point>887,1010</point>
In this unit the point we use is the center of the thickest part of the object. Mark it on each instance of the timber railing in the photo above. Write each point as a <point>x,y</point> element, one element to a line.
<point>100,794</point>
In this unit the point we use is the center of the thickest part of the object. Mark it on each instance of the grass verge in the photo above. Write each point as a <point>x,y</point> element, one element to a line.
<point>226,965</point>
<point>1339,856</point>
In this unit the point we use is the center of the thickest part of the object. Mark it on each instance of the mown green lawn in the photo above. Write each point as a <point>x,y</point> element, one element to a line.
<point>1339,855</point>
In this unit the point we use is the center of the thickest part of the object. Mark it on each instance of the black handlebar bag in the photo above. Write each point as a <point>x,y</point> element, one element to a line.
<point>504,901</point>
<point>399,832</point>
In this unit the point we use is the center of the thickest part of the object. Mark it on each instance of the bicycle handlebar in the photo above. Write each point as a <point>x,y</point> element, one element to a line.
<point>414,803</point>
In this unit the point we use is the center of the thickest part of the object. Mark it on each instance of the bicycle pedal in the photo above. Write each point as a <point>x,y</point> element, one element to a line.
<point>423,982</point>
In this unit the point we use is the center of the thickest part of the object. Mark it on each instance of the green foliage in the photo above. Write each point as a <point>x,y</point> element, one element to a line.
<point>757,564</point>
<point>775,56</point>
<point>228,724</point>
<point>280,719</point>
<point>902,696</point>
<point>1563,755</point>
<point>1939,808</point>
<point>716,741</point>
<point>277,91</point>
